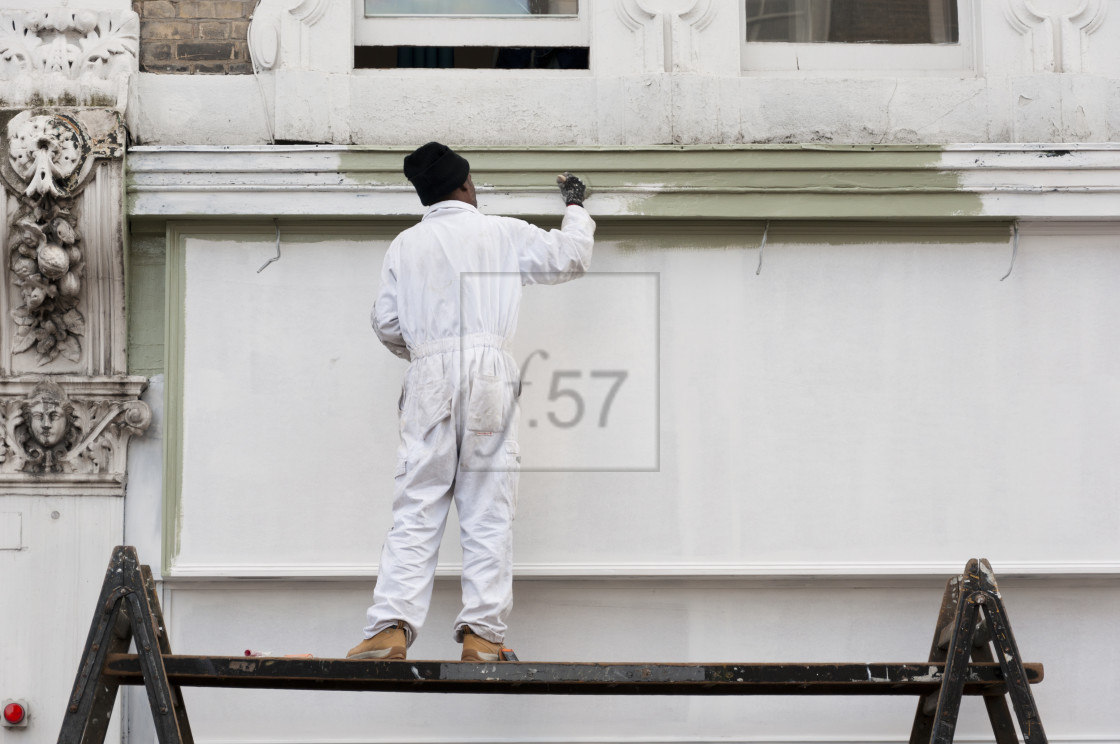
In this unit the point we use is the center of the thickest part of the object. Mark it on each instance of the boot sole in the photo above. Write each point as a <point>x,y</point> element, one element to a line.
<point>480,658</point>
<point>380,655</point>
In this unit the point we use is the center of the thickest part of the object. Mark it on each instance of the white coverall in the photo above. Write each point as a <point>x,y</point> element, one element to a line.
<point>449,298</point>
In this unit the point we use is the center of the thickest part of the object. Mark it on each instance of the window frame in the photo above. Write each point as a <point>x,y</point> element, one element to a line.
<point>865,58</point>
<point>483,30</point>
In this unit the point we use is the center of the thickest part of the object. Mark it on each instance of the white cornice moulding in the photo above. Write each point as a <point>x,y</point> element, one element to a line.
<point>1106,570</point>
<point>1020,181</point>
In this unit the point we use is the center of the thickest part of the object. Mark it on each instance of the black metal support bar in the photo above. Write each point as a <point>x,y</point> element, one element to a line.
<point>531,678</point>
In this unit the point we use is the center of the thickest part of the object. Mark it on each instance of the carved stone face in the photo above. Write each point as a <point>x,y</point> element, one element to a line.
<point>48,422</point>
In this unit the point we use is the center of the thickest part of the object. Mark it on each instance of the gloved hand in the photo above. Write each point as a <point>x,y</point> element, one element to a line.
<point>571,188</point>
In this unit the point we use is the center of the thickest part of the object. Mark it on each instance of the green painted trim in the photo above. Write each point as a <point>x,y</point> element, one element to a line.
<point>781,182</point>
<point>174,337</point>
<point>147,272</point>
<point>689,168</point>
<point>662,234</point>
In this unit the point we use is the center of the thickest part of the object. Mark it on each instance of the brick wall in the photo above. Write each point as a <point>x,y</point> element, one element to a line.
<point>194,36</point>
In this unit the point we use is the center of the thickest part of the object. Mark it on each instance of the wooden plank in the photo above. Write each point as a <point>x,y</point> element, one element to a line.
<point>562,678</point>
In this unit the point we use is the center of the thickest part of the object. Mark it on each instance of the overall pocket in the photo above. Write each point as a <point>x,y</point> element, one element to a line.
<point>486,407</point>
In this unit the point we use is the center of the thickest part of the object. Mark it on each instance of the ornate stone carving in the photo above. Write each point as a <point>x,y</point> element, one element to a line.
<point>264,41</point>
<point>671,29</point>
<point>44,148</point>
<point>310,12</point>
<point>77,439</point>
<point>62,308</point>
<point>1059,29</point>
<point>45,254</point>
<point>68,57</point>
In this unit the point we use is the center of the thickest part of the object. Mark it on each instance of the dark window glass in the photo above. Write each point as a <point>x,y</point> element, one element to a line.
<point>472,7</point>
<point>865,21</point>
<point>504,58</point>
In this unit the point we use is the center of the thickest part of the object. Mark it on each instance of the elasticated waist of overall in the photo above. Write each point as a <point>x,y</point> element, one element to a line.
<point>456,343</point>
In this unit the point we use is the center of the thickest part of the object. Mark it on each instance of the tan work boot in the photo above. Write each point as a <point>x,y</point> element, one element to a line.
<point>477,648</point>
<point>388,645</point>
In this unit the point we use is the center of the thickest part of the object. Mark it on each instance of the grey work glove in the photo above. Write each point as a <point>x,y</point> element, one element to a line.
<point>571,188</point>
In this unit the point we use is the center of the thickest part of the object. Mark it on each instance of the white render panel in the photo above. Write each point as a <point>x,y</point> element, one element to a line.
<point>882,387</point>
<point>49,599</point>
<point>294,389</point>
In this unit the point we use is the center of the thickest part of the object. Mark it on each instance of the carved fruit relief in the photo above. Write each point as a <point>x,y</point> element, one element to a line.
<point>45,255</point>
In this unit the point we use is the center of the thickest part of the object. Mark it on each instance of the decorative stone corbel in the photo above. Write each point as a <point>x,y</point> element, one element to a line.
<point>1058,29</point>
<point>310,34</point>
<point>58,246</point>
<point>68,57</point>
<point>670,30</point>
<point>68,435</point>
<point>636,17</point>
<point>67,404</point>
<point>309,12</point>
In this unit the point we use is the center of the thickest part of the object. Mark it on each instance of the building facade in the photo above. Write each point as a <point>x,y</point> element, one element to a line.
<point>850,324</point>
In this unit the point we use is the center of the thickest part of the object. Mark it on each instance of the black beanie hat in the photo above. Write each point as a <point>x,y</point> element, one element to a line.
<point>435,170</point>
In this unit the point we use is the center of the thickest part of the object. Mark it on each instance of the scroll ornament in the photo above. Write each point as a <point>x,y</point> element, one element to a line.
<point>49,433</point>
<point>45,253</point>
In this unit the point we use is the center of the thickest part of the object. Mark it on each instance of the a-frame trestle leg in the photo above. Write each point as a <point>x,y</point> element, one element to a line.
<point>127,610</point>
<point>971,620</point>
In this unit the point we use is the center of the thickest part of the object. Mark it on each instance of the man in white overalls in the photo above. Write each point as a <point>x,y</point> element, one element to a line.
<point>449,298</point>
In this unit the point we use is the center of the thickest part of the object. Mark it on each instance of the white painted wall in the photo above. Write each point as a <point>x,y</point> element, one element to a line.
<point>863,417</point>
<point>880,387</point>
<point>48,602</point>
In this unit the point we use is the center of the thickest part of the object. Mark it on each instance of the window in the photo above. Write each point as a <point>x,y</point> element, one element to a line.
<point>853,21</point>
<point>912,36</point>
<point>504,34</point>
<point>471,7</point>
